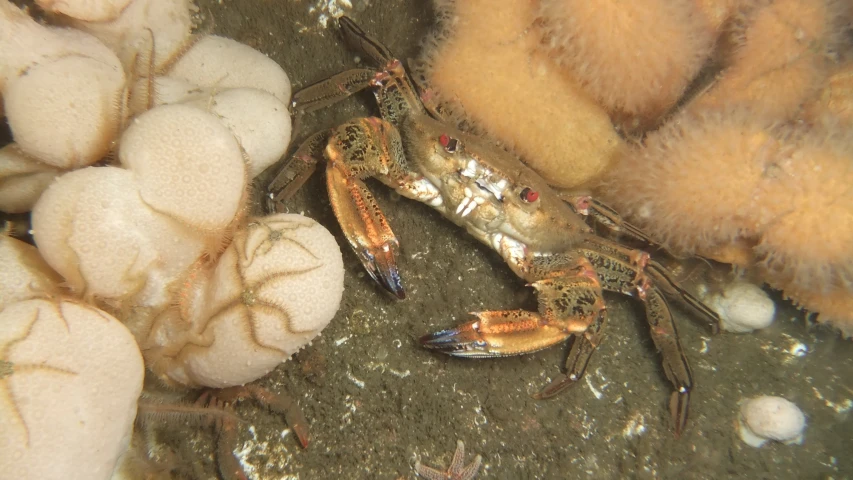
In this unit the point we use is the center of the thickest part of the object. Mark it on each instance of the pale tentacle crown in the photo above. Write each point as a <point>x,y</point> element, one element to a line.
<point>498,200</point>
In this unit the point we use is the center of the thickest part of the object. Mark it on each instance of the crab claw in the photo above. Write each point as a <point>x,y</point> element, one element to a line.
<point>381,264</point>
<point>497,334</point>
<point>364,225</point>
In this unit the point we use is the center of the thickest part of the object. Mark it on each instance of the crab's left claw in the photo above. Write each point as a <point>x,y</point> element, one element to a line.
<point>569,304</point>
<point>497,334</point>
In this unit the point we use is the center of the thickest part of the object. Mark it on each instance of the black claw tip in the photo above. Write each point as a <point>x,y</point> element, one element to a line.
<point>438,340</point>
<point>457,342</point>
<point>390,281</point>
<point>383,270</point>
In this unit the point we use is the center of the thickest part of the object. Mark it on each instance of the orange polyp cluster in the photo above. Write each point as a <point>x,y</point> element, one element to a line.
<point>484,67</point>
<point>595,41</point>
<point>780,60</point>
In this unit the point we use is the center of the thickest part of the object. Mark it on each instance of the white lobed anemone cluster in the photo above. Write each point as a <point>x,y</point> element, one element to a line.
<point>70,376</point>
<point>134,145</point>
<point>271,292</point>
<point>68,96</point>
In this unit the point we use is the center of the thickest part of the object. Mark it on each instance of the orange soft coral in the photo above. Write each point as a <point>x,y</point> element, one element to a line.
<point>693,182</point>
<point>836,97</point>
<point>807,243</point>
<point>483,66</point>
<point>833,306</point>
<point>780,57</point>
<point>775,199</point>
<point>635,58</point>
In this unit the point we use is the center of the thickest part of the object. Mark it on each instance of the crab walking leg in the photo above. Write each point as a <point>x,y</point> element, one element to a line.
<point>604,216</point>
<point>296,170</point>
<point>675,364</point>
<point>332,90</point>
<point>623,270</point>
<point>282,404</point>
<point>222,399</point>
<point>645,272</point>
<point>662,279</point>
<point>581,348</point>
<point>358,40</point>
<point>229,466</point>
<point>391,78</point>
<point>607,217</point>
<point>396,94</point>
<point>568,305</point>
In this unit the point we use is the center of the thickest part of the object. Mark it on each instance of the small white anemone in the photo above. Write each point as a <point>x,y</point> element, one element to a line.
<point>743,307</point>
<point>768,418</point>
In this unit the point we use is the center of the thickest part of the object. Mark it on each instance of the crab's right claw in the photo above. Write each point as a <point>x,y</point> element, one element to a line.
<point>381,263</point>
<point>365,227</point>
<point>497,334</point>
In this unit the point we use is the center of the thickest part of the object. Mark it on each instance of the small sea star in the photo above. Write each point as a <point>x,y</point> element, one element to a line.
<point>457,470</point>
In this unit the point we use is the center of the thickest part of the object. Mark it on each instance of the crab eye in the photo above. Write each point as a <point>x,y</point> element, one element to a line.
<point>449,143</point>
<point>529,195</point>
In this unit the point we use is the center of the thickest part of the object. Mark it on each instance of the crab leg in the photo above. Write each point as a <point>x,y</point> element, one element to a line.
<point>220,400</point>
<point>581,349</point>
<point>332,90</point>
<point>358,40</point>
<point>604,216</point>
<point>295,171</point>
<point>645,272</point>
<point>607,217</point>
<point>338,87</point>
<point>623,270</point>
<point>661,278</point>
<point>675,365</point>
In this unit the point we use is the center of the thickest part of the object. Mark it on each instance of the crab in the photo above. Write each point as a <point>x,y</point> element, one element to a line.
<point>545,238</point>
